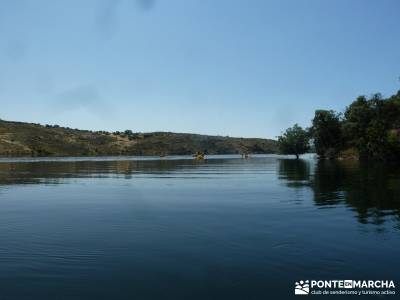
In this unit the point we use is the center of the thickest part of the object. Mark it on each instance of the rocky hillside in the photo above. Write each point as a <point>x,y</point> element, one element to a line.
<point>21,139</point>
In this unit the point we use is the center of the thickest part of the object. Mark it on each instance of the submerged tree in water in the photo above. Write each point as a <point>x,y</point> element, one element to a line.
<point>294,140</point>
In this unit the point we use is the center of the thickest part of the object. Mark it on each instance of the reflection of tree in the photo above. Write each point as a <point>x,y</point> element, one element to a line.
<point>327,183</point>
<point>371,190</point>
<point>295,172</point>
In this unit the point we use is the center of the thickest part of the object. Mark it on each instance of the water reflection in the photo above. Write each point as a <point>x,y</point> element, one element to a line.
<point>223,228</point>
<point>51,172</point>
<point>56,171</point>
<point>371,190</point>
<point>296,173</point>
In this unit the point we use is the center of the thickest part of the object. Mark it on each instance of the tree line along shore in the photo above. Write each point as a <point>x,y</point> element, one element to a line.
<point>368,129</point>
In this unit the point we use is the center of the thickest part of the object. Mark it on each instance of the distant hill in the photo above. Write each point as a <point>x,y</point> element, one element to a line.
<point>20,139</point>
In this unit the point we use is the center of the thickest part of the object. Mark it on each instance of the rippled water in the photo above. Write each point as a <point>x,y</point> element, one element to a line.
<point>224,228</point>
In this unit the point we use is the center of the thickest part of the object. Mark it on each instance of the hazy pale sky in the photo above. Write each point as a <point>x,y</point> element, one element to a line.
<point>239,68</point>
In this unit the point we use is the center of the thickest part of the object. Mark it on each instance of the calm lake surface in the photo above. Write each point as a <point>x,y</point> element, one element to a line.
<point>175,228</point>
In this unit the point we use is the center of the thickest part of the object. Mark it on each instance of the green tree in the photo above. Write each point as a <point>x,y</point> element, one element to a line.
<point>372,125</point>
<point>327,133</point>
<point>294,140</point>
<point>128,132</point>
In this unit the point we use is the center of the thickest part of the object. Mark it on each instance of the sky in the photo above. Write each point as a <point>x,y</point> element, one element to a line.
<point>225,67</point>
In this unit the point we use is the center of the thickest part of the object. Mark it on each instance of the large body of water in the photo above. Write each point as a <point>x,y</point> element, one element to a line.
<point>223,228</point>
